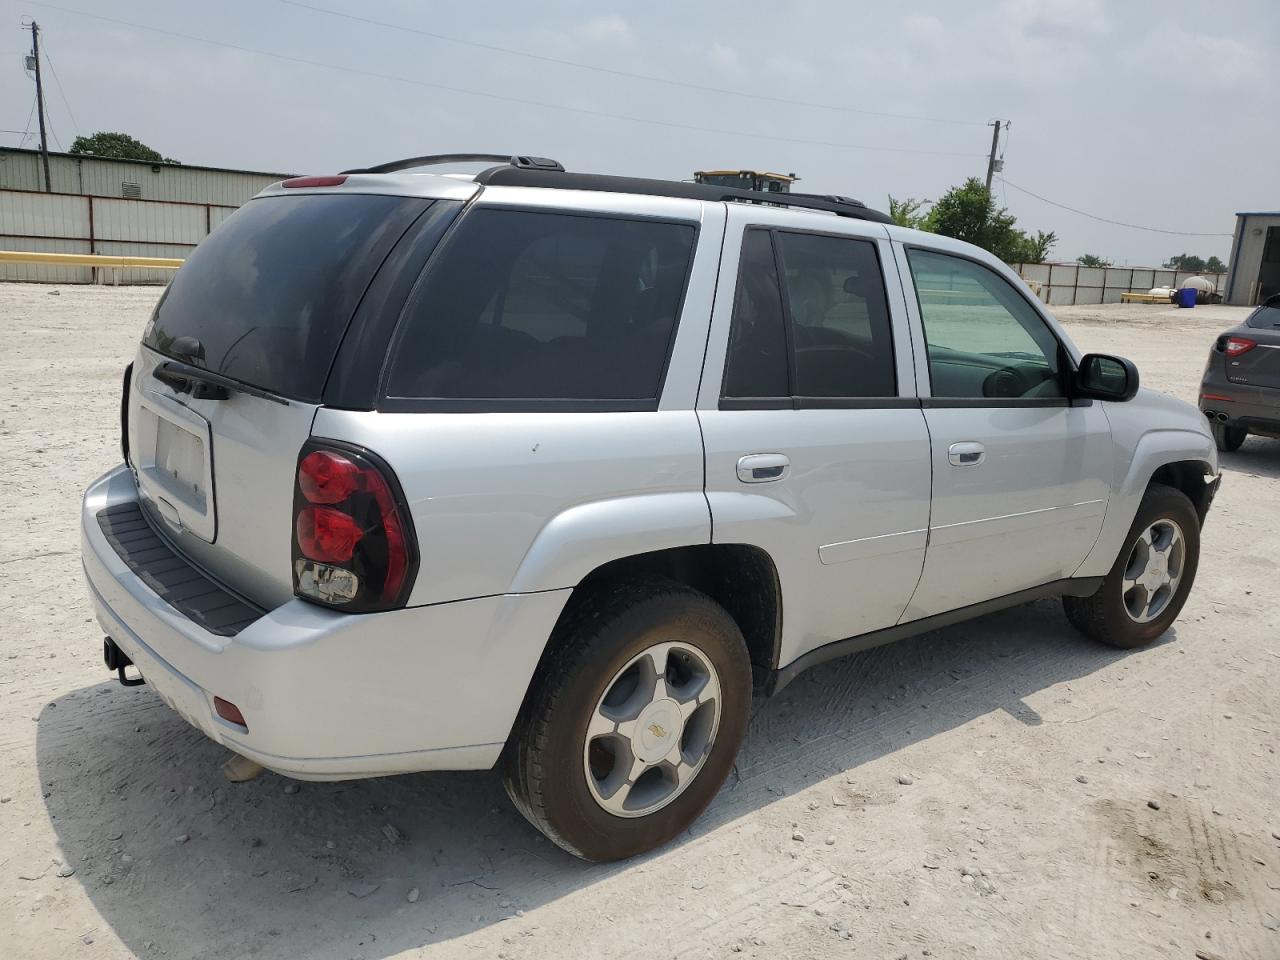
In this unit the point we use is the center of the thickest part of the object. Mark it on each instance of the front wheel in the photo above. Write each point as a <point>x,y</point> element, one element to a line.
<point>1149,582</point>
<point>1228,438</point>
<point>634,720</point>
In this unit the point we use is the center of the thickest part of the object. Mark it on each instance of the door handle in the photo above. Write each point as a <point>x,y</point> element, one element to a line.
<point>763,467</point>
<point>968,453</point>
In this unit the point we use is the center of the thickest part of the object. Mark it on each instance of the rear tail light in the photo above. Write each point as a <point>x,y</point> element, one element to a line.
<point>353,541</point>
<point>1238,345</point>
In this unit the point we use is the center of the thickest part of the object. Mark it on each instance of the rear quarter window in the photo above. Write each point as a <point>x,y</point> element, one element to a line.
<point>270,292</point>
<point>550,309</point>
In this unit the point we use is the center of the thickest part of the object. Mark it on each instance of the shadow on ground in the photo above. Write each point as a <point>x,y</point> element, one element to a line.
<point>1260,456</point>
<point>325,871</point>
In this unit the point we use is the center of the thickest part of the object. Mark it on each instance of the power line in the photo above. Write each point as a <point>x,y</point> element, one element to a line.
<point>651,78</point>
<point>30,116</point>
<point>65,102</point>
<point>1117,223</point>
<point>670,124</point>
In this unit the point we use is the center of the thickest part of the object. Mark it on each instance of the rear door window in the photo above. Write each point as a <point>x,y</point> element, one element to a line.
<point>269,294</point>
<point>839,317</point>
<point>553,309</point>
<point>830,306</point>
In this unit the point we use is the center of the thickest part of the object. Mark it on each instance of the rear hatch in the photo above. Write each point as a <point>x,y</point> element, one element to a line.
<point>1253,353</point>
<point>232,368</point>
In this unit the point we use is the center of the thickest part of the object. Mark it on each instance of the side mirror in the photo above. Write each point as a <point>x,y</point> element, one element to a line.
<point>1104,377</point>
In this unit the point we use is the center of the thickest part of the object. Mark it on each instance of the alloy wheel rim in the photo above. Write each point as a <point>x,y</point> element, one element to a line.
<point>652,729</point>
<point>1153,571</point>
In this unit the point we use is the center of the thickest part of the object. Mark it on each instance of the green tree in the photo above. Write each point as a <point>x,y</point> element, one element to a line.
<point>969,212</point>
<point>1038,247</point>
<point>1092,260</point>
<point>1214,265</point>
<point>117,146</point>
<point>909,213</point>
<point>1186,261</point>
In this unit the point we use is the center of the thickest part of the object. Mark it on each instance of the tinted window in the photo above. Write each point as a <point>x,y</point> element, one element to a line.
<point>270,292</point>
<point>839,318</point>
<point>1267,316</point>
<point>984,338</point>
<point>545,306</point>
<point>756,365</point>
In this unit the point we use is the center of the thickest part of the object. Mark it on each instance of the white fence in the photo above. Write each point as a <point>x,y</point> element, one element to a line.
<point>1065,284</point>
<point>72,223</point>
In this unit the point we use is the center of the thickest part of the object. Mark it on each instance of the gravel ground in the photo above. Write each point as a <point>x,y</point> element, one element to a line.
<point>998,789</point>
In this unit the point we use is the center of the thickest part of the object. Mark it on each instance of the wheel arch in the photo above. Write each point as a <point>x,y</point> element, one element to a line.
<point>1183,459</point>
<point>742,578</point>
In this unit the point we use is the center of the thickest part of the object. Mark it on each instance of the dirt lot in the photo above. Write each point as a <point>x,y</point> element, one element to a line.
<point>1009,745</point>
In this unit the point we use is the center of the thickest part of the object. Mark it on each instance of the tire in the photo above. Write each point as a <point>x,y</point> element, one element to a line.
<point>1227,437</point>
<point>548,770</point>
<point>1107,616</point>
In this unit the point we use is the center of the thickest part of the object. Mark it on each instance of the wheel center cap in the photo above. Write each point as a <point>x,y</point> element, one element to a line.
<point>658,728</point>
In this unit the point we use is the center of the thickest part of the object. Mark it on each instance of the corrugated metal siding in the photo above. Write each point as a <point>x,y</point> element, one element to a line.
<point>87,214</point>
<point>41,272</point>
<point>91,175</point>
<point>154,222</point>
<point>34,215</point>
<point>1063,284</point>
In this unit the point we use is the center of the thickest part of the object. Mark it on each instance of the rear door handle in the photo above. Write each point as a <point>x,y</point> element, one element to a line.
<point>763,467</point>
<point>968,453</point>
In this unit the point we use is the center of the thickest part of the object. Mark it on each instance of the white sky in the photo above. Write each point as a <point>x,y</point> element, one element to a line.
<point>1156,113</point>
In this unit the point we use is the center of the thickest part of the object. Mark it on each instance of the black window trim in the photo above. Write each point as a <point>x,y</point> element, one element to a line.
<point>795,401</point>
<point>390,404</point>
<point>1067,363</point>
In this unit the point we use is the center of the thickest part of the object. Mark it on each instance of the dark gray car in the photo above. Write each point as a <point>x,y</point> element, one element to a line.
<point>1240,393</point>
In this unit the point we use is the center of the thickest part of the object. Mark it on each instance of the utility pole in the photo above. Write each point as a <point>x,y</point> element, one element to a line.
<point>995,143</point>
<point>44,142</point>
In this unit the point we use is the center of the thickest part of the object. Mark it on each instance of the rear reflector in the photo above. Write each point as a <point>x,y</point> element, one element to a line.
<point>1239,345</point>
<point>229,712</point>
<point>333,181</point>
<point>1215,396</point>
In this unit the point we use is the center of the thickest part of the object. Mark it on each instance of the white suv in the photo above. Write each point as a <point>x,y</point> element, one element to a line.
<point>552,471</point>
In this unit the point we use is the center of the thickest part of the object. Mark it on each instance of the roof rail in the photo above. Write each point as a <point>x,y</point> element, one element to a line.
<point>520,161</point>
<point>513,176</point>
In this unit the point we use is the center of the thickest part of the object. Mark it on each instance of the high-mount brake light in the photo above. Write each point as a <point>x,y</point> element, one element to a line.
<point>336,180</point>
<point>353,543</point>
<point>1238,345</point>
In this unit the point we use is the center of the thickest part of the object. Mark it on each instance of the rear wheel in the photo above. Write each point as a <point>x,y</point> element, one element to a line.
<point>1149,582</point>
<point>1227,437</point>
<point>633,723</point>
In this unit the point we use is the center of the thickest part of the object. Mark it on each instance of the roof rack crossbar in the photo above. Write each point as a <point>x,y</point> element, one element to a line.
<point>520,161</point>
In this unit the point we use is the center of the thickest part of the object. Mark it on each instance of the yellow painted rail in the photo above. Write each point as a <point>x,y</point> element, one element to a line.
<point>88,260</point>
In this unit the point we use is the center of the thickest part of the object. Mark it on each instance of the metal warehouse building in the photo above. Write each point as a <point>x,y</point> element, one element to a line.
<point>1255,259</point>
<point>122,207</point>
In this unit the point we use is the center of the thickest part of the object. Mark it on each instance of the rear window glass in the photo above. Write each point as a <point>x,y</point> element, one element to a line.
<point>523,305</point>
<point>270,292</point>
<point>1267,316</point>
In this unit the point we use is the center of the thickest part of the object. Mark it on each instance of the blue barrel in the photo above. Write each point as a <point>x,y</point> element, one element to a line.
<point>1187,297</point>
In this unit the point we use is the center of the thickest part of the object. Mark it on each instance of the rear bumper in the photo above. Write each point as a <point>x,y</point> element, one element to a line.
<point>1256,409</point>
<point>325,695</point>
